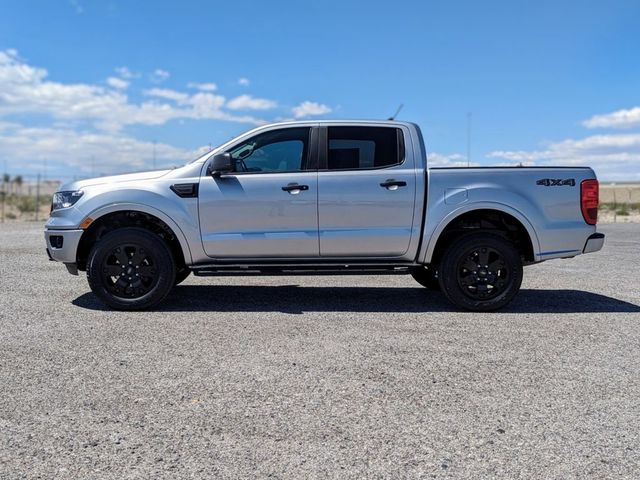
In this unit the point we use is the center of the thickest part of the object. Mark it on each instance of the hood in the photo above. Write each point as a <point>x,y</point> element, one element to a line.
<point>129,177</point>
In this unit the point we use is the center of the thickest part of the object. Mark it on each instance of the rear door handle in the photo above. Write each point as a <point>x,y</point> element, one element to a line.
<point>392,184</point>
<point>294,188</point>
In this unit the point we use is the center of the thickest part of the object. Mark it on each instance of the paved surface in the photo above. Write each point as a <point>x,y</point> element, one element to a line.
<point>295,377</point>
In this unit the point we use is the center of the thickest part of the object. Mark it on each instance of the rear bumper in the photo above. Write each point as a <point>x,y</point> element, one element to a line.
<point>62,245</point>
<point>593,243</point>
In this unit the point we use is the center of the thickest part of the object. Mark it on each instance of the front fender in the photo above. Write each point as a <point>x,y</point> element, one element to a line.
<point>148,209</point>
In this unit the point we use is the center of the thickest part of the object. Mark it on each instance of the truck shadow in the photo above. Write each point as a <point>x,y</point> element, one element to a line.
<point>295,299</point>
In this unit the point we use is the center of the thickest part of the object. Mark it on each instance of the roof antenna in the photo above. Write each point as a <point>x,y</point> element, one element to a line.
<point>393,117</point>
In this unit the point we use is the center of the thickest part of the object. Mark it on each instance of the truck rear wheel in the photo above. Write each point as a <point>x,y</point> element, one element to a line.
<point>480,272</point>
<point>131,269</point>
<point>427,277</point>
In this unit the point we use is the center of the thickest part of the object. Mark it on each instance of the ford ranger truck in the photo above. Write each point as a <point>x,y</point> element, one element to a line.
<point>322,198</point>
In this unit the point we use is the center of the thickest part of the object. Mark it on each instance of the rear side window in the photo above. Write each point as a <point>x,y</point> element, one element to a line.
<point>353,148</point>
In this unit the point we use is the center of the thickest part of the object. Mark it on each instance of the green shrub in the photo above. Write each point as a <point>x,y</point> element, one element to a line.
<point>26,204</point>
<point>623,211</point>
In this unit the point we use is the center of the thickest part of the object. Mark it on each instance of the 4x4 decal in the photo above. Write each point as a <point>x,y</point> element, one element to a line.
<point>556,182</point>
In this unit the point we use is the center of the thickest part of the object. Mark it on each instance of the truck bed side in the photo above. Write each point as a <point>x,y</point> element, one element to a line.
<point>548,209</point>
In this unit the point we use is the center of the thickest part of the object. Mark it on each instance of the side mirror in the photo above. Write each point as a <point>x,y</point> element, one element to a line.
<point>221,163</point>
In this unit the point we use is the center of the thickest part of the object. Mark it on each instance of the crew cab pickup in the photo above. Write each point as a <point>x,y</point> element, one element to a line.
<point>323,197</point>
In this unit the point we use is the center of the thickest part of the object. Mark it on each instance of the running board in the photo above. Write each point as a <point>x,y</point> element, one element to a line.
<point>300,269</point>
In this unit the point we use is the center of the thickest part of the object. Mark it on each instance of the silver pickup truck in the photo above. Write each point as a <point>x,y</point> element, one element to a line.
<point>329,197</point>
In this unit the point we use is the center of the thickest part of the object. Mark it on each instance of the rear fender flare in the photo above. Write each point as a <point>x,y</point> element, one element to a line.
<point>451,216</point>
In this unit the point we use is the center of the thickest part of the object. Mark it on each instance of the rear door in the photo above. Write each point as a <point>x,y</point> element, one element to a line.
<point>366,192</point>
<point>267,207</point>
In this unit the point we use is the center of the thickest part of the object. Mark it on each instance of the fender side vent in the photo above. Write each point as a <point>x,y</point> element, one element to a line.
<point>185,190</point>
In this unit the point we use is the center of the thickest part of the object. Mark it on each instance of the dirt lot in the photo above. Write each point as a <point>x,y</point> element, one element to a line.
<point>298,377</point>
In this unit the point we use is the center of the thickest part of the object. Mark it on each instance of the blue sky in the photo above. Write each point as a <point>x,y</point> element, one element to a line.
<point>87,87</point>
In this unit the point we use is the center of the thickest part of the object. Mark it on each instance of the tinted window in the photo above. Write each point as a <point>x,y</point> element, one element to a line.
<point>277,151</point>
<point>363,147</point>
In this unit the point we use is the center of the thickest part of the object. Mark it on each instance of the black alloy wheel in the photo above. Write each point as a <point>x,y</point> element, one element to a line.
<point>131,269</point>
<point>480,271</point>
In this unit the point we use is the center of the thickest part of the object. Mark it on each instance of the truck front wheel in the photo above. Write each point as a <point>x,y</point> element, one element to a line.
<point>131,269</point>
<point>480,272</point>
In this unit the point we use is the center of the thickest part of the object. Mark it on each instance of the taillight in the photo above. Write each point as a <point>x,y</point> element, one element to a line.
<point>589,201</point>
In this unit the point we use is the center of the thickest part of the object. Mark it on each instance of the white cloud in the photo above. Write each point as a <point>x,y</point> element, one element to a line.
<point>167,94</point>
<point>453,160</point>
<point>619,119</point>
<point>26,89</point>
<point>247,102</point>
<point>203,87</point>
<point>307,108</point>
<point>613,157</point>
<point>25,146</point>
<point>244,81</point>
<point>125,73</point>
<point>159,75</point>
<point>118,83</point>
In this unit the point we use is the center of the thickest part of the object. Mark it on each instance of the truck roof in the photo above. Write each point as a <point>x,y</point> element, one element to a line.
<point>342,122</point>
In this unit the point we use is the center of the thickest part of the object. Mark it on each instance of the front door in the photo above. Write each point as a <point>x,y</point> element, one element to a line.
<point>267,207</point>
<point>366,192</point>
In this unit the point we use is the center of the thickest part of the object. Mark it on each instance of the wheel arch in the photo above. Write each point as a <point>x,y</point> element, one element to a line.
<point>111,217</point>
<point>493,216</point>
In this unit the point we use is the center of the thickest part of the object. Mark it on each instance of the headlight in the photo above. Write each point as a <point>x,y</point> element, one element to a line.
<point>65,199</point>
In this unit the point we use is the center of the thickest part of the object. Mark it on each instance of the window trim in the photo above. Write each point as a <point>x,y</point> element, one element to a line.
<point>323,149</point>
<point>307,163</point>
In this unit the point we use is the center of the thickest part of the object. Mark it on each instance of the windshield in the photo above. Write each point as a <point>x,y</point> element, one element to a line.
<point>201,157</point>
<point>211,150</point>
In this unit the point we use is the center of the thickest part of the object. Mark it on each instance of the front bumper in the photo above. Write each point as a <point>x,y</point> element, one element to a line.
<point>62,245</point>
<point>593,243</point>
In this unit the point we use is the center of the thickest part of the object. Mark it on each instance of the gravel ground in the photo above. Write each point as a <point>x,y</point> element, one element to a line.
<point>296,377</point>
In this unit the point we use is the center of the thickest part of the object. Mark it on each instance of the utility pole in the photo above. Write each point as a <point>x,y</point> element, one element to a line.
<point>468,139</point>
<point>4,187</point>
<point>37,196</point>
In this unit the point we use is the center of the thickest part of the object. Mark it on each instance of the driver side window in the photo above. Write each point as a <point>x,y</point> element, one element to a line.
<point>284,150</point>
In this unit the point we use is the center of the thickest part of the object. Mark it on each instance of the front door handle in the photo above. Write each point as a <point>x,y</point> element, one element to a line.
<point>392,184</point>
<point>294,188</point>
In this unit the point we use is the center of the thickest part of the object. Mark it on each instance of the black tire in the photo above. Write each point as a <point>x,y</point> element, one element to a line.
<point>427,277</point>
<point>181,275</point>
<point>480,272</point>
<point>131,269</point>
